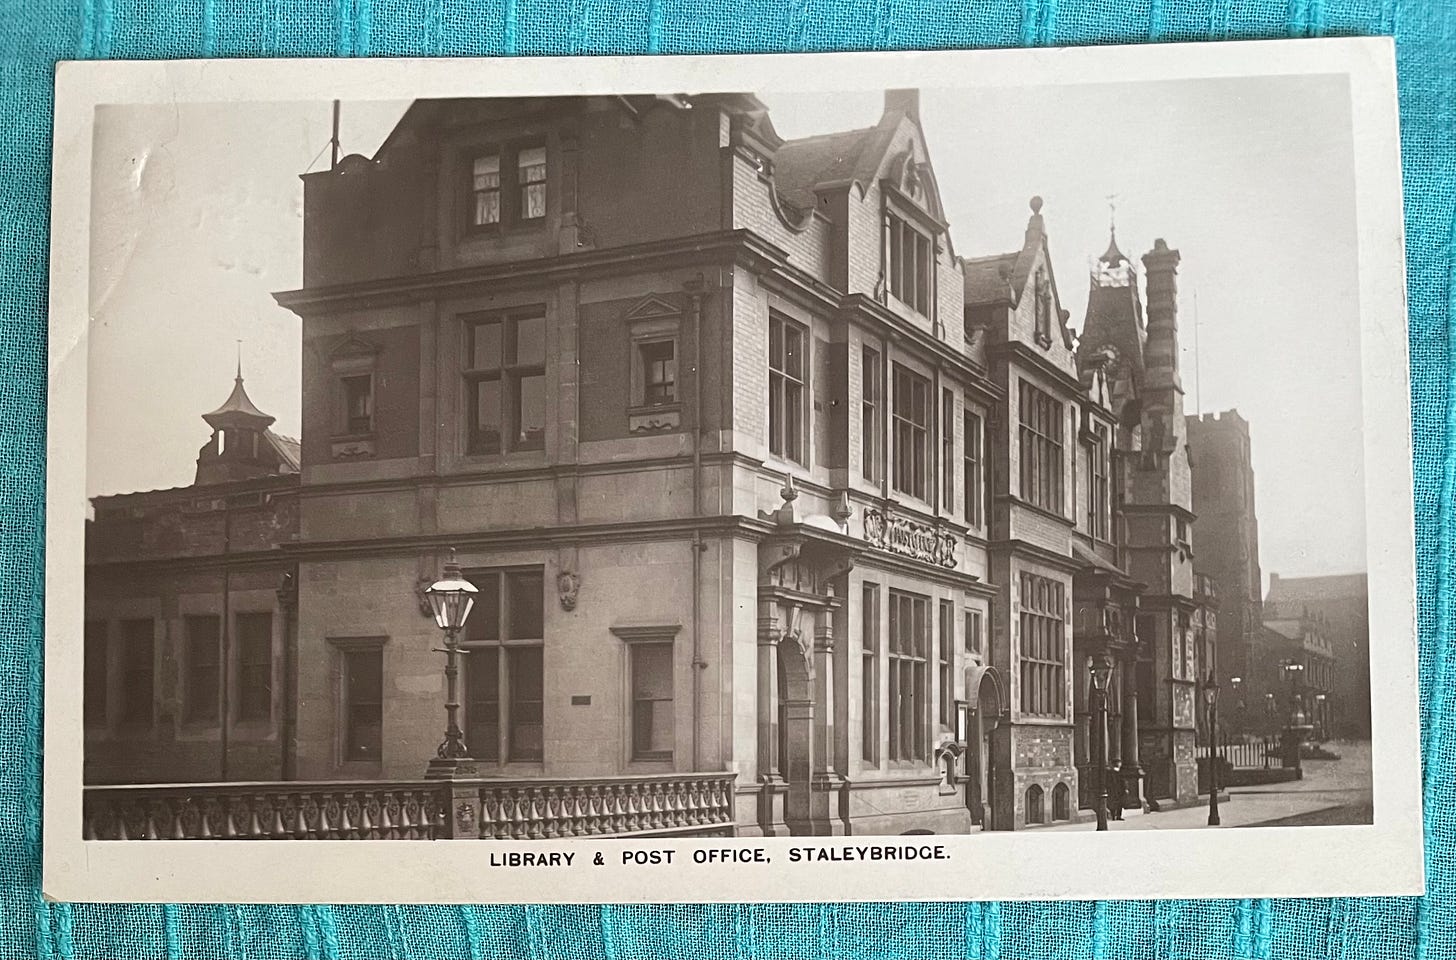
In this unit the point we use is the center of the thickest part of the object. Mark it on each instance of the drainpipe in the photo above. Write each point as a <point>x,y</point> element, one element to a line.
<point>224,732</point>
<point>695,307</point>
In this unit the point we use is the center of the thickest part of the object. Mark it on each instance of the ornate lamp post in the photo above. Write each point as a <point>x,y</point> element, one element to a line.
<point>1100,667</point>
<point>451,598</point>
<point>1210,697</point>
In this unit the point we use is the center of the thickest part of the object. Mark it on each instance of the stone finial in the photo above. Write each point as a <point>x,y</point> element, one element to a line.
<point>1036,203</point>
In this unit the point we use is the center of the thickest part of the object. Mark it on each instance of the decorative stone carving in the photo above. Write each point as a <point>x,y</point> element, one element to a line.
<point>567,586</point>
<point>909,538</point>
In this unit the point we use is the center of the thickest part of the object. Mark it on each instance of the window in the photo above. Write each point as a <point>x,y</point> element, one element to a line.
<point>1035,804</point>
<point>1043,646</point>
<point>912,429</point>
<point>911,263</point>
<point>504,678</point>
<point>138,673</point>
<point>97,675</point>
<point>947,450</point>
<point>204,668</point>
<point>255,665</point>
<point>945,650</point>
<point>531,175</point>
<point>872,398</point>
<point>505,382</point>
<point>652,714</point>
<point>974,626</point>
<point>1099,509</point>
<point>358,403</point>
<point>1041,449</point>
<point>786,366</point>
<point>909,650</point>
<point>1043,308</point>
<point>507,186</point>
<point>974,466</point>
<point>364,703</point>
<point>869,678</point>
<point>485,179</point>
<point>659,372</point>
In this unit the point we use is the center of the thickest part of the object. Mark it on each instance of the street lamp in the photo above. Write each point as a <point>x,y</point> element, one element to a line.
<point>451,598</point>
<point>1100,666</point>
<point>1210,697</point>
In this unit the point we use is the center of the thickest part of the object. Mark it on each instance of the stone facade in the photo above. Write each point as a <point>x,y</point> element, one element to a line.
<point>189,627</point>
<point>753,472</point>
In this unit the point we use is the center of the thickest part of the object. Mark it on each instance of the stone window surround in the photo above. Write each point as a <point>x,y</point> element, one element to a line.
<point>631,635</point>
<point>339,648</point>
<point>508,149</point>
<point>656,326</point>
<point>354,357</point>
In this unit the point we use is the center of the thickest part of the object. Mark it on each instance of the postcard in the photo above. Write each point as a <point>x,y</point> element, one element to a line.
<point>753,478</point>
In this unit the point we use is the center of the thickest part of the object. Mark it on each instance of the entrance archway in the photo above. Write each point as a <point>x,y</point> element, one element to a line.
<point>987,706</point>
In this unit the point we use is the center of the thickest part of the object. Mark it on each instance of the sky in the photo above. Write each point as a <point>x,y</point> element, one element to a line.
<point>197,220</point>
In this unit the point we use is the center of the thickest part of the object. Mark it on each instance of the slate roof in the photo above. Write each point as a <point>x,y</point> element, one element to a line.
<point>988,279</point>
<point>287,449</point>
<point>801,167</point>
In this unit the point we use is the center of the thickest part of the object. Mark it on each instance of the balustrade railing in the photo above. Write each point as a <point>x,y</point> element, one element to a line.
<point>686,804</point>
<point>609,807</point>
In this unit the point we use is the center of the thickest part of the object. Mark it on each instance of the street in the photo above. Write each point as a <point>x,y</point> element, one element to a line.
<point>1332,792</point>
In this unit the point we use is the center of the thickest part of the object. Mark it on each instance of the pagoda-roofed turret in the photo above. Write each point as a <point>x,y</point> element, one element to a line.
<point>242,446</point>
<point>238,410</point>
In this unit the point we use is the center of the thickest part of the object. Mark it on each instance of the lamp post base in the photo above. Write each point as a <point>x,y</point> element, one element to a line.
<point>452,768</point>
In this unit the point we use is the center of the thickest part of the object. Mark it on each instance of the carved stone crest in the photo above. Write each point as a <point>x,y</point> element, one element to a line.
<point>909,538</point>
<point>567,585</point>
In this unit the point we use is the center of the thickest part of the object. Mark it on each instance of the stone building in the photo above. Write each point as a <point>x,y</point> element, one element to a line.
<point>1161,609</point>
<point>1226,539</point>
<point>189,631</point>
<point>752,471</point>
<point>1340,606</point>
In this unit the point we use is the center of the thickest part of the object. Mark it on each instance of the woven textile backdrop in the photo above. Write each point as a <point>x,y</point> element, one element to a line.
<point>33,35</point>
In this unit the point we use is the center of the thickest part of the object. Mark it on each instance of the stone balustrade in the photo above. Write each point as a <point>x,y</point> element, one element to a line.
<point>651,805</point>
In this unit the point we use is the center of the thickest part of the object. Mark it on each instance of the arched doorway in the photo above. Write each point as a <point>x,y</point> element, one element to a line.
<point>987,704</point>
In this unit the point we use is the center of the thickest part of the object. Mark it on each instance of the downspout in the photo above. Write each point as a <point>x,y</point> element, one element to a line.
<point>224,732</point>
<point>695,306</point>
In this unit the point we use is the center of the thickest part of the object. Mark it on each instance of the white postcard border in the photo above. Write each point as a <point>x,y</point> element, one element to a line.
<point>1382,858</point>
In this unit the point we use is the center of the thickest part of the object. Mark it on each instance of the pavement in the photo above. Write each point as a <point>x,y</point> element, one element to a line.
<point>1332,792</point>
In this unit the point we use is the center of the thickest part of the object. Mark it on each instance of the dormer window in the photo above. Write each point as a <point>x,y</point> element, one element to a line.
<point>911,263</point>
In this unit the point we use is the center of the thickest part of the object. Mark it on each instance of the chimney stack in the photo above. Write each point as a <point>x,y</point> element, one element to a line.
<point>904,101</point>
<point>1161,269</point>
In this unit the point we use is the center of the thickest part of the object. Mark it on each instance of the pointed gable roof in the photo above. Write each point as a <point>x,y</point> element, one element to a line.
<point>1114,317</point>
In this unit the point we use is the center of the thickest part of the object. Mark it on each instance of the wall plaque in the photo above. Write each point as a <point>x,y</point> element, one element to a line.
<point>909,538</point>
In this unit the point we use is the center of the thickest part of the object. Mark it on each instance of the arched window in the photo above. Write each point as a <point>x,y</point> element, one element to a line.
<point>1061,802</point>
<point>1035,811</point>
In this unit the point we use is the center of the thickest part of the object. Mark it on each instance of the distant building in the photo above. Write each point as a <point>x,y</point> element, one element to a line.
<point>189,629</point>
<point>1294,670</point>
<point>1226,542</point>
<point>1341,605</point>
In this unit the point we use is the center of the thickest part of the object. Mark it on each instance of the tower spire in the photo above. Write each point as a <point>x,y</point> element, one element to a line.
<point>239,377</point>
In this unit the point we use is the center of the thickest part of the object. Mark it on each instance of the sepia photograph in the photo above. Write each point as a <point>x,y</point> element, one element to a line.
<point>907,460</point>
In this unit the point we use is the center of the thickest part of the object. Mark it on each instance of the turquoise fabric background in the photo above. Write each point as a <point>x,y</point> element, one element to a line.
<point>33,35</point>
